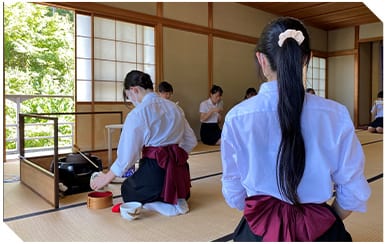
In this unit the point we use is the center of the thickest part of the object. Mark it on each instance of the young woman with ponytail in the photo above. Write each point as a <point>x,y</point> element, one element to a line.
<point>282,179</point>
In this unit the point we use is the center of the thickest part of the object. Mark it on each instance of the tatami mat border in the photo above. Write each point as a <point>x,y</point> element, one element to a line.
<point>371,142</point>
<point>374,178</point>
<point>48,211</point>
<point>205,152</point>
<point>205,176</point>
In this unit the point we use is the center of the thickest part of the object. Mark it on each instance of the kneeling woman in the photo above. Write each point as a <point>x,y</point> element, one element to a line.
<point>210,117</point>
<point>283,178</point>
<point>156,127</point>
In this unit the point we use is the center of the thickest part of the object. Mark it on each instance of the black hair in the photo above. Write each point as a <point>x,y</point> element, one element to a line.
<point>216,89</point>
<point>165,86</point>
<point>250,92</point>
<point>288,61</point>
<point>136,78</point>
<point>310,90</point>
<point>380,94</point>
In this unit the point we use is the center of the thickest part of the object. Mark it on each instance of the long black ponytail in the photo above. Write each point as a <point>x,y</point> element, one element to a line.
<point>288,57</point>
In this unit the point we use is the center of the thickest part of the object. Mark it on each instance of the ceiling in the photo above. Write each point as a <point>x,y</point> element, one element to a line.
<point>323,15</point>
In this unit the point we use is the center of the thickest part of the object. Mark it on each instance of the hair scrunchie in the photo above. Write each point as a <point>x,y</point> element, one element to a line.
<point>290,33</point>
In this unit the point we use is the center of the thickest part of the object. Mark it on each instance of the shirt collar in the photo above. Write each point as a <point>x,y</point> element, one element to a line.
<point>211,103</point>
<point>269,86</point>
<point>148,96</point>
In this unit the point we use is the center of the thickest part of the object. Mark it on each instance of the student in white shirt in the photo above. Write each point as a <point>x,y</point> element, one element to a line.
<point>210,117</point>
<point>250,92</point>
<point>158,129</point>
<point>283,178</point>
<point>377,112</point>
<point>165,90</point>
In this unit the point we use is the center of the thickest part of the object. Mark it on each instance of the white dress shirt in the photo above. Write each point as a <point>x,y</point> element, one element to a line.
<point>153,122</point>
<point>377,109</point>
<point>334,157</point>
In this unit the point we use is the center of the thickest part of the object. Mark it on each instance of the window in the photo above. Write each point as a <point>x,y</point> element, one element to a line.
<point>38,74</point>
<point>118,48</point>
<point>316,76</point>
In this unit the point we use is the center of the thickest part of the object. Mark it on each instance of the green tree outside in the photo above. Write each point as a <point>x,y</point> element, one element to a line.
<point>38,60</point>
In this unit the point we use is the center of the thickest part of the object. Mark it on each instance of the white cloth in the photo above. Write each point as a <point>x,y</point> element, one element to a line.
<point>249,145</point>
<point>206,106</point>
<point>153,122</point>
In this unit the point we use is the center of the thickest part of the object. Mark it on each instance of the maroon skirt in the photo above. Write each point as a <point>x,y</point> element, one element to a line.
<point>270,219</point>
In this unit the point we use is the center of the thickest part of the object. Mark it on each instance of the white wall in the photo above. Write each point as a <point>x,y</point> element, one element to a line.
<point>341,81</point>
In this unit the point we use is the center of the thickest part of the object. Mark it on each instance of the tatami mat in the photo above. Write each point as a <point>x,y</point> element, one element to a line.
<point>32,219</point>
<point>366,137</point>
<point>374,159</point>
<point>368,227</point>
<point>209,219</point>
<point>202,148</point>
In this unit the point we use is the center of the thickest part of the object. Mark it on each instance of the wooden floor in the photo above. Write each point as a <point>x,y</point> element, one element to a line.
<point>27,217</point>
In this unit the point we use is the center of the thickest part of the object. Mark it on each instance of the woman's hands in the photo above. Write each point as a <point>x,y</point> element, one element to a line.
<point>205,116</point>
<point>101,180</point>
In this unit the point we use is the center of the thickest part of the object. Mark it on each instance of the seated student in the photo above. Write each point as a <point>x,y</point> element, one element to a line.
<point>210,116</point>
<point>272,153</point>
<point>157,128</point>
<point>377,113</point>
<point>165,90</point>
<point>250,93</point>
